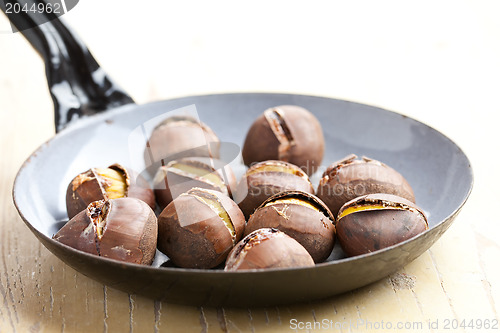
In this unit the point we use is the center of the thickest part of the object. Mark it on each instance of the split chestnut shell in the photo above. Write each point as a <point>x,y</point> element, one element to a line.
<point>288,133</point>
<point>351,177</point>
<point>177,137</point>
<point>267,178</point>
<point>267,248</point>
<point>179,176</point>
<point>112,182</point>
<point>301,216</point>
<point>199,228</point>
<point>124,229</point>
<point>375,221</point>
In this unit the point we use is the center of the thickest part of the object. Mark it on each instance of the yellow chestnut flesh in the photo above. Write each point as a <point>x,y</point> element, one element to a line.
<point>113,182</point>
<point>216,206</point>
<point>211,177</point>
<point>293,201</point>
<point>277,168</point>
<point>355,209</point>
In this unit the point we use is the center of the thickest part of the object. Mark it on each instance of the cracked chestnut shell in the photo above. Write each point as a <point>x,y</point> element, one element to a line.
<point>375,221</point>
<point>267,248</point>
<point>301,216</point>
<point>288,133</point>
<point>199,228</point>
<point>265,179</point>
<point>351,177</point>
<point>124,229</point>
<point>112,182</point>
<point>180,176</point>
<point>177,137</point>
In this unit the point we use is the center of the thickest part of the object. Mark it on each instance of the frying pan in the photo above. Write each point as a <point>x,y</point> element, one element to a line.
<point>91,112</point>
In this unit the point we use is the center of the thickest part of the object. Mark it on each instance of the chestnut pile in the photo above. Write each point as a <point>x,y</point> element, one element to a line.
<point>271,218</point>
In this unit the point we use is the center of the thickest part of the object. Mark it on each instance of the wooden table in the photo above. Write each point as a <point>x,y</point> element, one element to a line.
<point>438,62</point>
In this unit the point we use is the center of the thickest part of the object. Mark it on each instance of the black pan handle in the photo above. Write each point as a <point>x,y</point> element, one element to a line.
<point>78,85</point>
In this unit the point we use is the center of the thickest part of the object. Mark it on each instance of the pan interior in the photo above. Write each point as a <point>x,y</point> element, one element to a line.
<point>436,168</point>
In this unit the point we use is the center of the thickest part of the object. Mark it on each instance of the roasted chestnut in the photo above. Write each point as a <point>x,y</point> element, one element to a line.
<point>301,216</point>
<point>199,228</point>
<point>178,137</point>
<point>265,179</point>
<point>288,133</point>
<point>124,229</point>
<point>267,248</point>
<point>375,221</point>
<point>350,177</point>
<point>180,176</point>
<point>112,182</point>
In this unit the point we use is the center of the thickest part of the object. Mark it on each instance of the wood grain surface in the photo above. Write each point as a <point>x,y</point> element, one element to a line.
<point>438,62</point>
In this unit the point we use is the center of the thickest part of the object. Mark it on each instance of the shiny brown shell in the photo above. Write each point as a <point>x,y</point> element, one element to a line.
<point>267,248</point>
<point>86,188</point>
<point>129,234</point>
<point>170,183</point>
<point>301,216</point>
<point>178,137</point>
<point>288,133</point>
<point>259,184</point>
<point>193,235</point>
<point>351,177</point>
<point>389,221</point>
